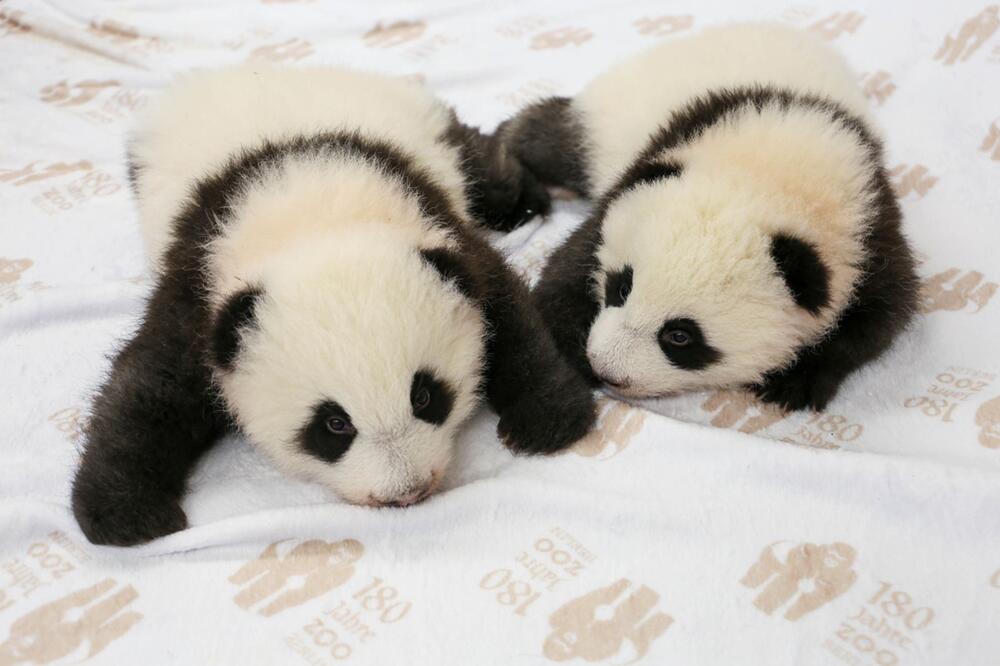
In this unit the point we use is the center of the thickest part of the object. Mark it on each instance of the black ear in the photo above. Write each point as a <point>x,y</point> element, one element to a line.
<point>238,312</point>
<point>451,268</point>
<point>803,271</point>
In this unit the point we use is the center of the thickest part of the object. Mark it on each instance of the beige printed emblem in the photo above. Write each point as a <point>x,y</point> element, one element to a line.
<point>560,37</point>
<point>617,424</point>
<point>988,421</point>
<point>69,421</point>
<point>11,271</point>
<point>29,173</point>
<point>65,93</point>
<point>307,571</point>
<point>95,615</point>
<point>292,50</point>
<point>800,577</point>
<point>595,625</point>
<point>838,23</point>
<point>970,37</point>
<point>953,291</point>
<point>877,86</point>
<point>991,142</point>
<point>660,26</point>
<point>915,179</point>
<point>741,410</point>
<point>394,34</point>
<point>12,22</point>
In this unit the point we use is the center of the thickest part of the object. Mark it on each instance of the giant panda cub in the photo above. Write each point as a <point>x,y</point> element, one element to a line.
<point>319,287</point>
<point>744,231</point>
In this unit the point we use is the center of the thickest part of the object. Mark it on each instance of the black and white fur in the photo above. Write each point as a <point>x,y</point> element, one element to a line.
<point>744,232</point>
<point>318,286</point>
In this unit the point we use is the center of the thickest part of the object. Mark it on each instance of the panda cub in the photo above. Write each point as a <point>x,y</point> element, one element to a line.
<point>744,231</point>
<point>319,286</point>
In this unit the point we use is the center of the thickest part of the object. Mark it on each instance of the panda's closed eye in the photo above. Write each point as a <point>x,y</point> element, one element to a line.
<point>430,398</point>
<point>617,287</point>
<point>329,433</point>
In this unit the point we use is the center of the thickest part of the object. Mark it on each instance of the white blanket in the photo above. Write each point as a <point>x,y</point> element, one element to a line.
<point>869,534</point>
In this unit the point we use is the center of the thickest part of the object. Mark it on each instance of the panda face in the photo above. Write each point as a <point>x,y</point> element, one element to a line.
<point>691,293</point>
<point>358,366</point>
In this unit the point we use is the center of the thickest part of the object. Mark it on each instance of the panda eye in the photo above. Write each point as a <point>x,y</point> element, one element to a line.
<point>338,425</point>
<point>431,398</point>
<point>618,286</point>
<point>421,398</point>
<point>678,338</point>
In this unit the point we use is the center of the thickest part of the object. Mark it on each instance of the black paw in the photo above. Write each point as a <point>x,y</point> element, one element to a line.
<point>533,425</point>
<point>798,388</point>
<point>124,517</point>
<point>510,205</point>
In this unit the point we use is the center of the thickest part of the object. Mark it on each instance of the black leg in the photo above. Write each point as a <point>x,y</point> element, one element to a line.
<point>543,403</point>
<point>885,301</point>
<point>565,294</point>
<point>153,418</point>
<point>504,195</point>
<point>547,138</point>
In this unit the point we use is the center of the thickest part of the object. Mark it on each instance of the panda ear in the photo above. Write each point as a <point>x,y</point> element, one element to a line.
<point>237,313</point>
<point>802,270</point>
<point>451,268</point>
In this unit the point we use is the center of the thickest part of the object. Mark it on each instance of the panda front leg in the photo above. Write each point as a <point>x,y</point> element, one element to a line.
<point>565,298</point>
<point>151,421</point>
<point>502,193</point>
<point>544,404</point>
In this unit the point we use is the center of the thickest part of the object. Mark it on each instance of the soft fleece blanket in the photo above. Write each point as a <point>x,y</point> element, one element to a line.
<point>704,529</point>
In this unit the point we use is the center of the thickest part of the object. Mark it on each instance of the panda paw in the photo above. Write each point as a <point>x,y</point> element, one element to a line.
<point>541,426</point>
<point>799,387</point>
<point>126,517</point>
<point>510,204</point>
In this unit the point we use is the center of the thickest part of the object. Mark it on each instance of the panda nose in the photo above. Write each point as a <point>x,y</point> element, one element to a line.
<point>413,497</point>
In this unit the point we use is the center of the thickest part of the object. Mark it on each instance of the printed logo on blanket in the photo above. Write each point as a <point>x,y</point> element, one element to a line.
<point>800,577</point>
<point>290,50</point>
<point>954,290</point>
<point>94,616</point>
<point>661,26</point>
<point>394,34</point>
<point>617,424</point>
<point>838,23</point>
<point>991,142</point>
<point>877,86</point>
<point>960,45</point>
<point>307,571</point>
<point>596,625</point>
<point>988,420</point>
<point>740,410</point>
<point>914,179</point>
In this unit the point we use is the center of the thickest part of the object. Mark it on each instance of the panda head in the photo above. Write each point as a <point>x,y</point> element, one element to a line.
<point>353,361</point>
<point>701,284</point>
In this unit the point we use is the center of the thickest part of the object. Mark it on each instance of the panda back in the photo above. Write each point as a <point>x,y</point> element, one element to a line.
<point>623,106</point>
<point>208,117</point>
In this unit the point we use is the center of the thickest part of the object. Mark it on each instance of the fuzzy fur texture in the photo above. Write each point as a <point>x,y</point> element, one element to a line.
<point>747,192</point>
<point>294,294</point>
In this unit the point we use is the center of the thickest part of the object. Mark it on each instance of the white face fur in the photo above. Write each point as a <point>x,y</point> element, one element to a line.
<point>325,376</point>
<point>708,305</point>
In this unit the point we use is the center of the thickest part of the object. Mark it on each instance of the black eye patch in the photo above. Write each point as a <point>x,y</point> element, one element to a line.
<point>684,345</point>
<point>617,287</point>
<point>329,433</point>
<point>430,398</point>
